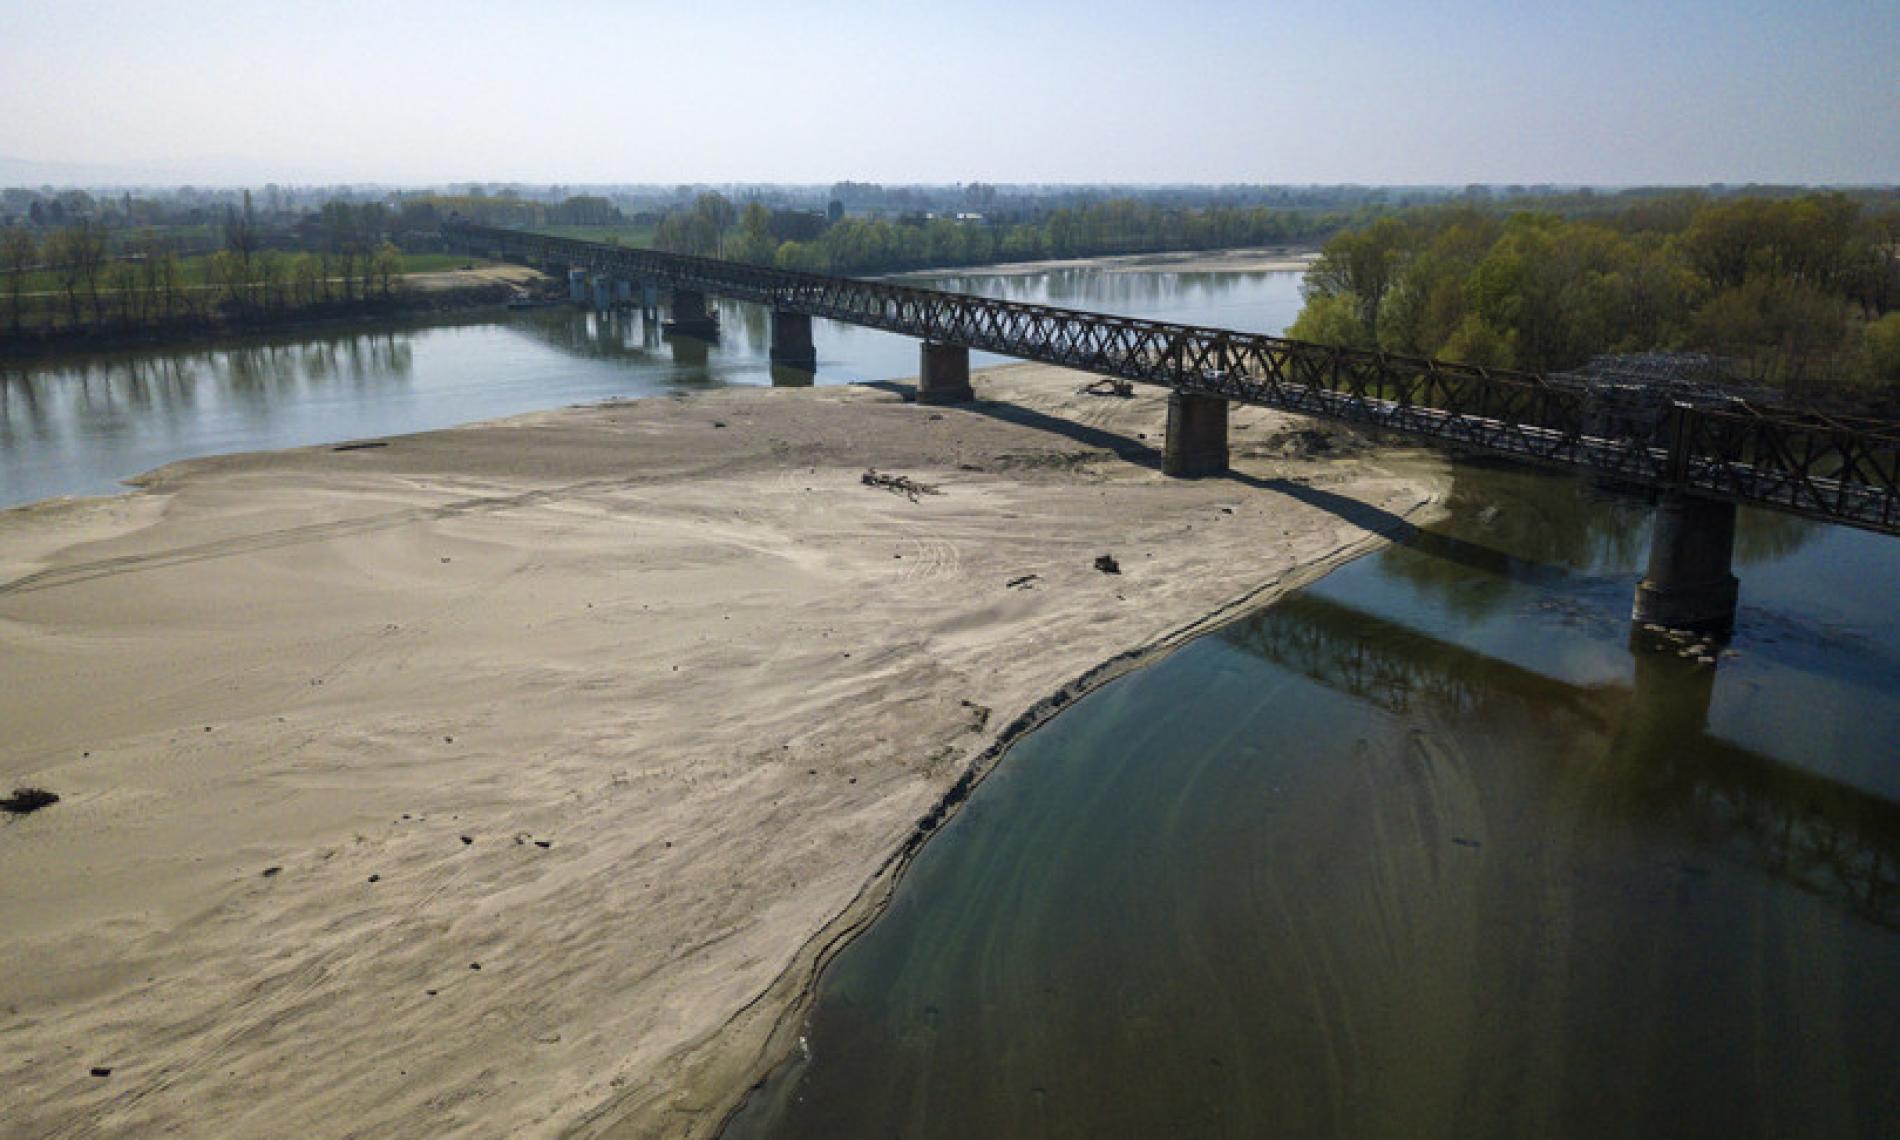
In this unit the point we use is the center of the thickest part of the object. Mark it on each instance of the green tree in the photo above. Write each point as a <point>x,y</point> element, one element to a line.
<point>1783,332</point>
<point>1331,318</point>
<point>307,274</point>
<point>717,214</point>
<point>1883,352</point>
<point>1475,341</point>
<point>754,242</point>
<point>386,266</point>
<point>1363,265</point>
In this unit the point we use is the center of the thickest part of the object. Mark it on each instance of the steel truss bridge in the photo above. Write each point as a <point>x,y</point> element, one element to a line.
<point>1833,468</point>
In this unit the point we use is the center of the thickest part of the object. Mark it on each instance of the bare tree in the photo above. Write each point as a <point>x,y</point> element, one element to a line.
<point>86,254</point>
<point>150,275</point>
<point>18,253</point>
<point>122,284</point>
<point>242,240</point>
<point>269,267</point>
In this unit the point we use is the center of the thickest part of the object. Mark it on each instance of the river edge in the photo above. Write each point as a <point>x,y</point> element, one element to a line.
<point>390,693</point>
<point>1293,257</point>
<point>404,309</point>
<point>773,1024</point>
<point>460,292</point>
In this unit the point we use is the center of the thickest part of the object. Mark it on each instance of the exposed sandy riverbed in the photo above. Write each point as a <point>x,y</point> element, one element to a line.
<point>625,705</point>
<point>486,273</point>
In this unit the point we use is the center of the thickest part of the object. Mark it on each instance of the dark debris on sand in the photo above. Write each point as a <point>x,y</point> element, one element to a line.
<point>24,800</point>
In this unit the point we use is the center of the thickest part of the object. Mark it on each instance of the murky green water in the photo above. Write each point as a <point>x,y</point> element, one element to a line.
<point>1428,849</point>
<point>78,427</point>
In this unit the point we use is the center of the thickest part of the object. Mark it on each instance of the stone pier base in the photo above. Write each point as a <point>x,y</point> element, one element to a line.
<point>1689,584</point>
<point>943,376</point>
<point>690,315</point>
<point>1197,436</point>
<point>791,341</point>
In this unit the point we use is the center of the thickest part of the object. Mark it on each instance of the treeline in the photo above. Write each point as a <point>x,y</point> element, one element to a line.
<point>1796,293</point>
<point>78,276</point>
<point>819,243</point>
<point>506,210</point>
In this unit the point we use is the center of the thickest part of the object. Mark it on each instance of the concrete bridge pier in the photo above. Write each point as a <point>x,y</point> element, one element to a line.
<point>649,300</point>
<point>1197,436</point>
<point>791,341</point>
<point>1689,584</point>
<point>690,315</point>
<point>690,351</point>
<point>603,292</point>
<point>786,376</point>
<point>943,374</point>
<point>577,286</point>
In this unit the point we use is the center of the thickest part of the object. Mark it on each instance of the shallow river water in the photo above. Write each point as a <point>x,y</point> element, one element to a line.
<point>1431,848</point>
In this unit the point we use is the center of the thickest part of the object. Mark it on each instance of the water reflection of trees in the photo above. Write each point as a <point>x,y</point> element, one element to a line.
<point>619,336</point>
<point>1130,294</point>
<point>110,396</point>
<point>1659,760</point>
<point>1765,536</point>
<point>1538,524</point>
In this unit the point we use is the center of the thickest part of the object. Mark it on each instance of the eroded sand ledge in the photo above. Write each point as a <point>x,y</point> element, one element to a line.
<point>677,641</point>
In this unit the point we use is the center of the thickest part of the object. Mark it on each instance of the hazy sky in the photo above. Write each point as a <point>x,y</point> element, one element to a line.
<point>1451,91</point>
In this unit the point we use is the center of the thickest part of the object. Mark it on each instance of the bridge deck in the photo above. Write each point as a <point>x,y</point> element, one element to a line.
<point>1838,469</point>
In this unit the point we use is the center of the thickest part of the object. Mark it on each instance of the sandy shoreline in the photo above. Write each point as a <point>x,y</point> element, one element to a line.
<point>634,707</point>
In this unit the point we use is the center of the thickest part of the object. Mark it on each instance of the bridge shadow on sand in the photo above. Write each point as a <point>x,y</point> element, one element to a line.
<point>1363,515</point>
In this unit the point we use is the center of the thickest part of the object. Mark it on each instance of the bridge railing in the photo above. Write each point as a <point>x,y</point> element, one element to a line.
<point>1842,470</point>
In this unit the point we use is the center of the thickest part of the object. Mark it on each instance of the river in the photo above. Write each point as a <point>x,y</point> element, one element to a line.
<point>1434,846</point>
<point>79,427</point>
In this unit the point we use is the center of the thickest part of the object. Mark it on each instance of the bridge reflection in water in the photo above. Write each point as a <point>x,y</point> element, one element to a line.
<point>1821,834</point>
<point>1429,848</point>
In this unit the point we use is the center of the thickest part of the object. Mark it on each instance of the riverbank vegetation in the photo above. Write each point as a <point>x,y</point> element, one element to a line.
<point>87,282</point>
<point>831,242</point>
<point>1796,293</point>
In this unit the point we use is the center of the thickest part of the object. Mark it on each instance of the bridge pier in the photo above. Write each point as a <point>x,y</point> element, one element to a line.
<point>577,286</point>
<point>690,351</point>
<point>1197,436</point>
<point>690,315</point>
<point>943,375</point>
<point>1689,585</point>
<point>791,340</point>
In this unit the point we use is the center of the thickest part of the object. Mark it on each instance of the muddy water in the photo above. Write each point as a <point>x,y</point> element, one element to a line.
<point>1431,848</point>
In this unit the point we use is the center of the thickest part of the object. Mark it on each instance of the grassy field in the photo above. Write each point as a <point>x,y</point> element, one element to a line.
<point>193,269</point>
<point>627,233</point>
<point>439,262</point>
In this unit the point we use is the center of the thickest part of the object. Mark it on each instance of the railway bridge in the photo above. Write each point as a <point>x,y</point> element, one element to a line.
<point>1701,456</point>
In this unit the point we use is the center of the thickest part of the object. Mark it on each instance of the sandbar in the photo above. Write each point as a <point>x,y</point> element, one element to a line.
<point>514,779</point>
